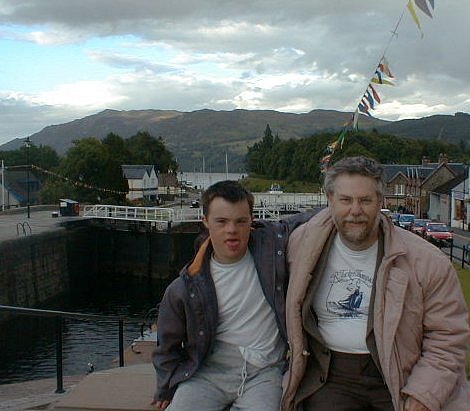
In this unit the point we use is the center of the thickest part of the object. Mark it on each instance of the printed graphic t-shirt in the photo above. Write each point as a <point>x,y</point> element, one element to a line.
<point>341,301</point>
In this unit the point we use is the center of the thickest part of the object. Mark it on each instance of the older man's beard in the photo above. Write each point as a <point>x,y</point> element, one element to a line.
<point>357,235</point>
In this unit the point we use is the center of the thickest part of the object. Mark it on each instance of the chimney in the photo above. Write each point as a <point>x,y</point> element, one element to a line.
<point>443,159</point>
<point>425,161</point>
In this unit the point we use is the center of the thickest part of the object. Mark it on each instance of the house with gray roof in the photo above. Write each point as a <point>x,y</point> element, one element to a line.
<point>142,181</point>
<point>408,186</point>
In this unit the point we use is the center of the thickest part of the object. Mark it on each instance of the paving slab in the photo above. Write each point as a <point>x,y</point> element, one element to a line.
<point>34,395</point>
<point>16,224</point>
<point>118,389</point>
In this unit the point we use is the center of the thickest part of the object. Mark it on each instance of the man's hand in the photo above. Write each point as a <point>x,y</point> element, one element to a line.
<point>160,405</point>
<point>413,404</point>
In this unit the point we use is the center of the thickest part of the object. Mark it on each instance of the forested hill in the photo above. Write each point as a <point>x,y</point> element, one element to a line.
<point>299,160</point>
<point>211,134</point>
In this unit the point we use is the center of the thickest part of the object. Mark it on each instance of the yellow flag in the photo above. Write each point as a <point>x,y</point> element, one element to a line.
<point>414,16</point>
<point>377,81</point>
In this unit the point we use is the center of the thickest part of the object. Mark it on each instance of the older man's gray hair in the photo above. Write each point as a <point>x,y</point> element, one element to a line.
<point>361,165</point>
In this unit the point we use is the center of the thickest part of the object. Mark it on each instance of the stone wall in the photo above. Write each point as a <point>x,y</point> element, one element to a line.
<point>36,268</point>
<point>33,268</point>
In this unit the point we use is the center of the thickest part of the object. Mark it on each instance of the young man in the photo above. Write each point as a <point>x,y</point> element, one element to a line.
<point>221,326</point>
<point>375,315</point>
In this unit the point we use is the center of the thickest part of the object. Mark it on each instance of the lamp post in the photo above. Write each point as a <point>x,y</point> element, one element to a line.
<point>181,190</point>
<point>27,144</point>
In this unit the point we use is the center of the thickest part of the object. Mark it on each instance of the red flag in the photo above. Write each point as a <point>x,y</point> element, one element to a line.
<point>374,93</point>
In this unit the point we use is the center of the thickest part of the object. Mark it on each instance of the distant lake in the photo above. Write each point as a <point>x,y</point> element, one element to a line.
<point>203,180</point>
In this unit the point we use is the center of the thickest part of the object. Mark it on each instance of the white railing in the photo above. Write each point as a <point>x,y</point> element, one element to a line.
<point>265,213</point>
<point>174,215</point>
<point>128,213</point>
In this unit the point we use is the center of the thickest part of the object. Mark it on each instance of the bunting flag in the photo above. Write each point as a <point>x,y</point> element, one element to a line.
<point>333,146</point>
<point>364,109</point>
<point>356,118</point>
<point>384,68</point>
<point>370,99</point>
<point>74,182</point>
<point>412,11</point>
<point>374,93</point>
<point>423,6</point>
<point>382,76</point>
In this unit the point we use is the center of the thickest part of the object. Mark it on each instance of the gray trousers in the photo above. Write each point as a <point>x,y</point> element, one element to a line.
<point>227,382</point>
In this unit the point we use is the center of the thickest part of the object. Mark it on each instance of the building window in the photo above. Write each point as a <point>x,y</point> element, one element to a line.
<point>399,189</point>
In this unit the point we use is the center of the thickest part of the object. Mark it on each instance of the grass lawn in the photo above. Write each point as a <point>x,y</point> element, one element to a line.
<point>464,275</point>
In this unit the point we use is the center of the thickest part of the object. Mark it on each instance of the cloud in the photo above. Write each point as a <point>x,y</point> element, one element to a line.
<point>291,56</point>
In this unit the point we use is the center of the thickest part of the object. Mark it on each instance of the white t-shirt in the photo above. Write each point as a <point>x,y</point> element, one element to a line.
<point>341,301</point>
<point>245,317</point>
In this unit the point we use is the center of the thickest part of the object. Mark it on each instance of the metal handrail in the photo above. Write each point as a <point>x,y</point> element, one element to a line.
<point>23,225</point>
<point>59,316</point>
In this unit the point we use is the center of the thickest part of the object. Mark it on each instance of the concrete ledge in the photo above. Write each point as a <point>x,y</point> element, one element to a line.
<point>118,389</point>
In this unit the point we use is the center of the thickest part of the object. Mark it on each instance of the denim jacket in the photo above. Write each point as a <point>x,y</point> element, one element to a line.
<point>188,316</point>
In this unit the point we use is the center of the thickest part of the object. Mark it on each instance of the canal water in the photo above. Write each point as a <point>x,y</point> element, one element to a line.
<point>27,344</point>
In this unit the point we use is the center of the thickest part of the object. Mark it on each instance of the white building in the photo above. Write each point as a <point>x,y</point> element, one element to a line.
<point>142,181</point>
<point>460,211</point>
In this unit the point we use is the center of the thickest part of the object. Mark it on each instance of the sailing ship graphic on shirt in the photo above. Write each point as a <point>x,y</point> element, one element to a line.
<point>349,294</point>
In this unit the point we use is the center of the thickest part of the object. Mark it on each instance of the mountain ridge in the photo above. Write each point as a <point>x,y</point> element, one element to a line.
<point>210,133</point>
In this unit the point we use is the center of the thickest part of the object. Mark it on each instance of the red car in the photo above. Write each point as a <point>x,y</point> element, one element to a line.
<point>439,234</point>
<point>419,225</point>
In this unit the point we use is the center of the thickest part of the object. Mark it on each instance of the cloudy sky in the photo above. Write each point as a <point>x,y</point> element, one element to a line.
<point>64,59</point>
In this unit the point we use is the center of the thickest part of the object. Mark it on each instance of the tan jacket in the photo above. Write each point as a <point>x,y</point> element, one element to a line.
<point>420,318</point>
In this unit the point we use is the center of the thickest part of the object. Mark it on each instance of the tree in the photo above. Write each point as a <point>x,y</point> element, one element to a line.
<point>90,168</point>
<point>146,149</point>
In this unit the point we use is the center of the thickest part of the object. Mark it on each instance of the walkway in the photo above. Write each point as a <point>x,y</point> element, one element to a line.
<point>129,388</point>
<point>15,223</point>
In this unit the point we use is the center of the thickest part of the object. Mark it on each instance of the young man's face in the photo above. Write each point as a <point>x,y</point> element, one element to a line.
<point>229,226</point>
<point>355,207</point>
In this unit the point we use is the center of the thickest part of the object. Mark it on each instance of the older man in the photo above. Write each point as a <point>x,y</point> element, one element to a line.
<point>376,319</point>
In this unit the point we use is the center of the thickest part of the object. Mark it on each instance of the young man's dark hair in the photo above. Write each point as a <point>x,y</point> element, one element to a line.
<point>232,191</point>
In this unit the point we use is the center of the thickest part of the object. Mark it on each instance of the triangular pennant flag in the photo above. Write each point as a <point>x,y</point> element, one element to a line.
<point>341,137</point>
<point>364,103</point>
<point>370,99</point>
<point>326,159</point>
<point>332,147</point>
<point>379,76</point>
<point>376,81</point>
<point>414,16</point>
<point>383,66</point>
<point>423,6</point>
<point>363,109</point>
<point>355,119</point>
<point>374,93</point>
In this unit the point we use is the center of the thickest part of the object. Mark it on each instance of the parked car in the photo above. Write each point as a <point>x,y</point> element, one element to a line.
<point>406,220</point>
<point>419,225</point>
<point>395,217</point>
<point>439,234</point>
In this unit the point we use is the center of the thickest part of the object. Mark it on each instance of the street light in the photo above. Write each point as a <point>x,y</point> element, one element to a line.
<point>27,144</point>
<point>181,190</point>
